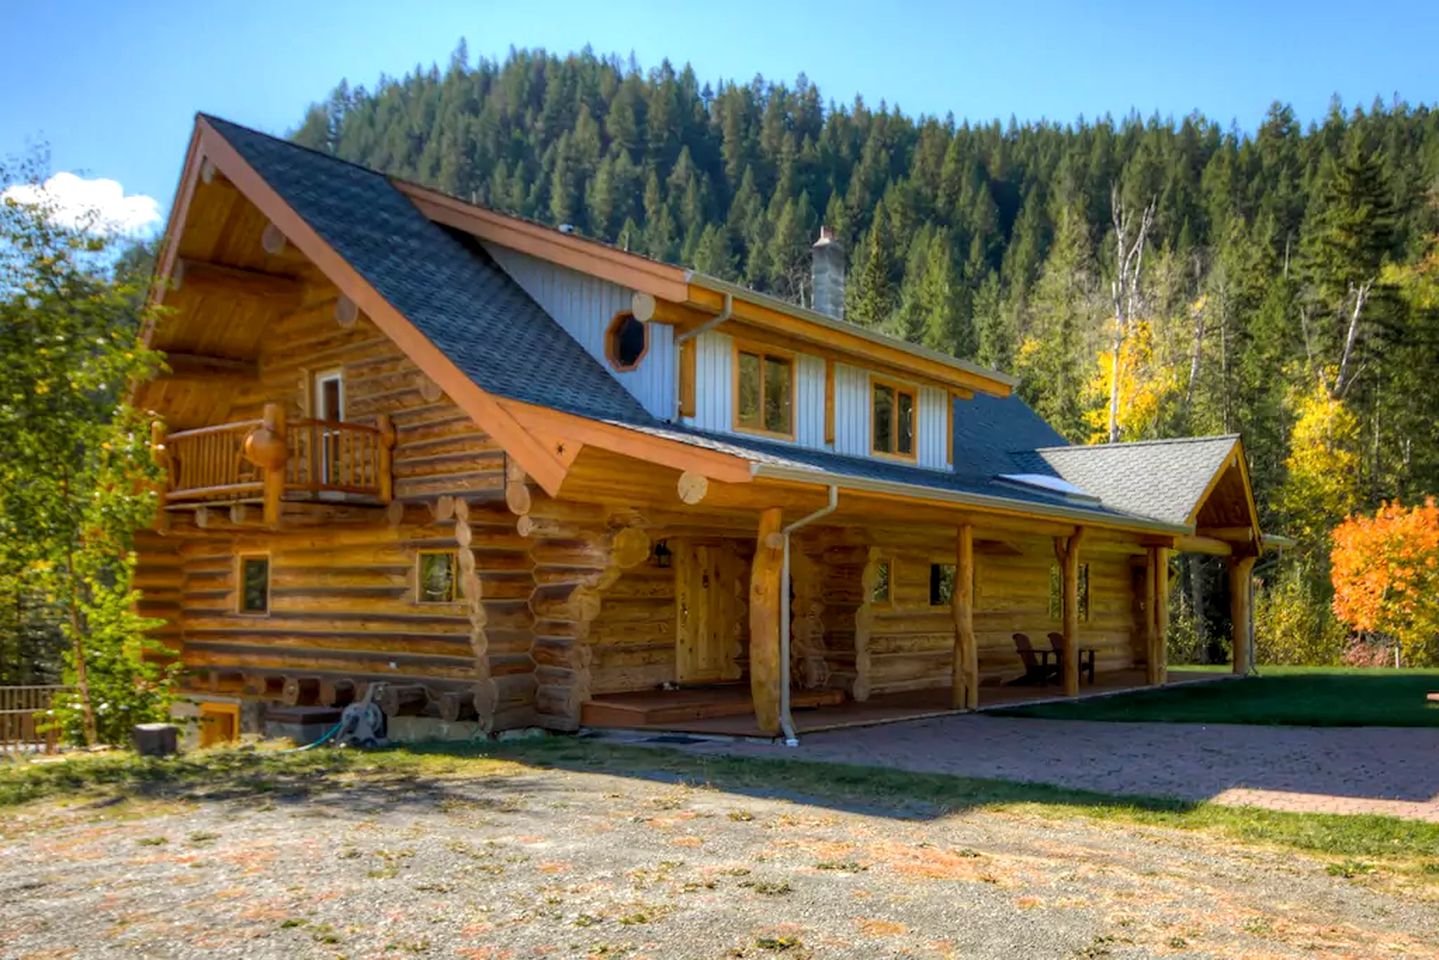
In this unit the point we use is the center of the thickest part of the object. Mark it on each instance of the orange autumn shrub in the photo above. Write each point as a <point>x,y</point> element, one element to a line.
<point>1385,570</point>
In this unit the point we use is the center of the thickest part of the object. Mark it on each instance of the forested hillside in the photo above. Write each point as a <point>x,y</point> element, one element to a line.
<point>1286,286</point>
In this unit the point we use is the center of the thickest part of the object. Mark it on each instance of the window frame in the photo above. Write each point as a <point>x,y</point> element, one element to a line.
<point>612,344</point>
<point>764,352</point>
<point>897,388</point>
<point>454,556</point>
<point>240,560</point>
<point>1056,593</point>
<point>885,562</point>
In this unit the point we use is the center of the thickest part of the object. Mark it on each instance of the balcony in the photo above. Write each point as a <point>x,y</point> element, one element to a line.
<point>270,461</point>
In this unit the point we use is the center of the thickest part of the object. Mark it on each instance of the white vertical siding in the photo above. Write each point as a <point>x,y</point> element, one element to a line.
<point>851,410</point>
<point>584,306</point>
<point>809,402</point>
<point>929,432</point>
<point>714,383</point>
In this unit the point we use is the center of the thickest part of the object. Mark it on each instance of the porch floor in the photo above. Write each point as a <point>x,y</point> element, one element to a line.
<point>727,711</point>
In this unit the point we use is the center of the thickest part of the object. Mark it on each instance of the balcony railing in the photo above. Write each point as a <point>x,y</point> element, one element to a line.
<point>270,460</point>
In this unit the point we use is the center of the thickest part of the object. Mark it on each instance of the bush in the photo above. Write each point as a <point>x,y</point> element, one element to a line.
<point>1294,625</point>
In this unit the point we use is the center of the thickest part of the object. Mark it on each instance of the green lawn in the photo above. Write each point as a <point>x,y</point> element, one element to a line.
<point>1289,696</point>
<point>97,781</point>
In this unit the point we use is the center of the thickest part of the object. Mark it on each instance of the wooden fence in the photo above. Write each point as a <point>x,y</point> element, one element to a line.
<point>24,726</point>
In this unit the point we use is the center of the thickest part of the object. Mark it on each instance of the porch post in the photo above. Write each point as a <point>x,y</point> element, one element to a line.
<point>274,418</point>
<point>1241,615</point>
<point>965,692</point>
<point>1161,613</point>
<point>1066,549</point>
<point>764,626</point>
<point>1151,616</point>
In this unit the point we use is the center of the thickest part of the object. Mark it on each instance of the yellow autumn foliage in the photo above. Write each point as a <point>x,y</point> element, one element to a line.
<point>1323,482</point>
<point>1144,387</point>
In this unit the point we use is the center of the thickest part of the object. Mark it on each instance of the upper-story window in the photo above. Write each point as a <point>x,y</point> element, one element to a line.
<point>626,341</point>
<point>764,392</point>
<point>893,409</point>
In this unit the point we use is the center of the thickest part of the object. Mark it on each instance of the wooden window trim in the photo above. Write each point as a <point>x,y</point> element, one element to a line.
<point>454,556</point>
<point>240,559</point>
<point>888,602</point>
<point>319,377</point>
<point>899,388</point>
<point>610,336</point>
<point>764,351</point>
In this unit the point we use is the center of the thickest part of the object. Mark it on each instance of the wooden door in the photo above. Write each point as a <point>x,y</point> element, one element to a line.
<point>329,407</point>
<point>711,580</point>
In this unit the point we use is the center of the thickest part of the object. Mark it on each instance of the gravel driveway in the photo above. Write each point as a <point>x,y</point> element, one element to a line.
<point>551,863</point>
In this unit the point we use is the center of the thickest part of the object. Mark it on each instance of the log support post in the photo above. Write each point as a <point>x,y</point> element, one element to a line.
<point>1241,612</point>
<point>385,466</point>
<point>274,422</point>
<point>965,691</point>
<point>764,625</point>
<point>1066,550</point>
<point>1159,656</point>
<point>1151,620</point>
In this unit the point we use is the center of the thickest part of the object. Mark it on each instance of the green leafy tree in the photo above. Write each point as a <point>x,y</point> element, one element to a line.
<point>76,475</point>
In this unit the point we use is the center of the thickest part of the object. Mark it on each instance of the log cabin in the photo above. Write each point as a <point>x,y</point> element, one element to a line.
<point>519,478</point>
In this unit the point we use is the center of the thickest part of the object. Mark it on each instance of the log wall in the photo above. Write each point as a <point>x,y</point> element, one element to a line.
<point>906,644</point>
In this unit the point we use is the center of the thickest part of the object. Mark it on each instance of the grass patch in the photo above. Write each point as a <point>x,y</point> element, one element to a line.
<point>426,773</point>
<point>1282,696</point>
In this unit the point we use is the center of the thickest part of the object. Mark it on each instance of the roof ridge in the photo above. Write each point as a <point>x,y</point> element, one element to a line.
<point>210,117</point>
<point>1172,441</point>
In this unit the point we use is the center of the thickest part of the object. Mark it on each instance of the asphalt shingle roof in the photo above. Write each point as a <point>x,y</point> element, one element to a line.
<point>470,308</point>
<point>1162,479</point>
<point>447,286</point>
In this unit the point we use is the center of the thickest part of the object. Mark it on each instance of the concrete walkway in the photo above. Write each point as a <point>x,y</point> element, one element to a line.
<point>1383,770</point>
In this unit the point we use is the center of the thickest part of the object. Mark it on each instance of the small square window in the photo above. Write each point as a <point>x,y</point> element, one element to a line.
<point>435,577</point>
<point>880,593</point>
<point>941,584</point>
<point>254,584</point>
<point>764,392</point>
<point>892,411</point>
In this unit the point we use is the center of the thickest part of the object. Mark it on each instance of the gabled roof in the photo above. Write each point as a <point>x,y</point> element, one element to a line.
<point>1162,479</point>
<point>443,282</point>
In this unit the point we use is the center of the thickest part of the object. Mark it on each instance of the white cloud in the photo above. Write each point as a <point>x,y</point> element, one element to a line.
<point>100,204</point>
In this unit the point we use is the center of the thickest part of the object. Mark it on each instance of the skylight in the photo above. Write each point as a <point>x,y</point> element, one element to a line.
<point>1048,483</point>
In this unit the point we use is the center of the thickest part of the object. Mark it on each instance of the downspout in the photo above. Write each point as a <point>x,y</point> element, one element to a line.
<point>710,324</point>
<point>786,722</point>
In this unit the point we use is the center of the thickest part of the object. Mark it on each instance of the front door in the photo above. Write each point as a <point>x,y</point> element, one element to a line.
<point>329,408</point>
<point>711,584</point>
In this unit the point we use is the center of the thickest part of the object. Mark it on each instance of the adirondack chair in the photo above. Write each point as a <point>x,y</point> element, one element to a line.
<point>1038,667</point>
<point>1086,656</point>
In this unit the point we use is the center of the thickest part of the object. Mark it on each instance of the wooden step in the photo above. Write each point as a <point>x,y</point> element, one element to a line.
<point>668,707</point>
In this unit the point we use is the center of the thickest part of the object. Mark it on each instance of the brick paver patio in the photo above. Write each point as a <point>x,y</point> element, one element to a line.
<point>1387,770</point>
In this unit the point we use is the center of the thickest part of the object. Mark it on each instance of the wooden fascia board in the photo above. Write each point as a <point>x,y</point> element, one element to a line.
<point>674,454</point>
<point>531,452</point>
<point>866,351</point>
<point>174,227</point>
<point>586,256</point>
<point>1237,459</point>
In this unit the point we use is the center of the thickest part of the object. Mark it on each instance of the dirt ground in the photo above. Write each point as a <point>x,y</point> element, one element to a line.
<point>525,862</point>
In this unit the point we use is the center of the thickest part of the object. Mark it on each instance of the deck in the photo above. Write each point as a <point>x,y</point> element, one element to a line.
<point>727,711</point>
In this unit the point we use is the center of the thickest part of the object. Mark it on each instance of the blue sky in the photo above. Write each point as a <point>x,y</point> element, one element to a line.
<point>112,87</point>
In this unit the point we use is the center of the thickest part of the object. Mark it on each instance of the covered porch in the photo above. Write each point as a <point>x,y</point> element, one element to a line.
<point>729,711</point>
<point>874,609</point>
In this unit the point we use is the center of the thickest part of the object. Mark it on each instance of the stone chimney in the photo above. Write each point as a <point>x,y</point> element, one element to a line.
<point>828,274</point>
